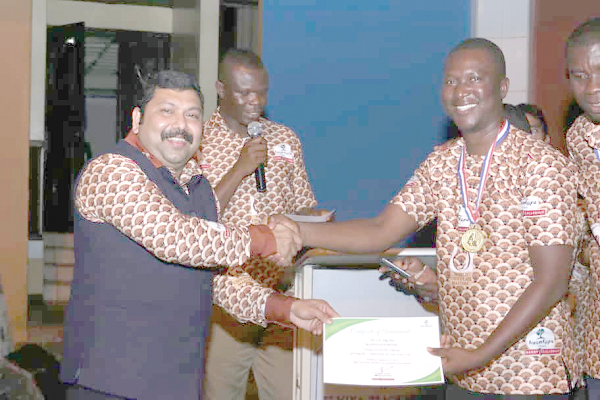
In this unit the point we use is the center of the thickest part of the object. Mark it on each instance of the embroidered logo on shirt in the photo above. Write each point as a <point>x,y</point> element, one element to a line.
<point>541,341</point>
<point>532,206</point>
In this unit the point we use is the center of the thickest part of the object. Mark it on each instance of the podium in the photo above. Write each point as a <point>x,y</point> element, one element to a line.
<point>350,284</point>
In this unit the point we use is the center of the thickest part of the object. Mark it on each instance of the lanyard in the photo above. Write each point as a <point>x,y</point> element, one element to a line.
<point>485,169</point>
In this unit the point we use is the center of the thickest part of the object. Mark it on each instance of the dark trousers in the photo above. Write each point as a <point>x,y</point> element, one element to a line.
<point>593,387</point>
<point>76,392</point>
<point>454,392</point>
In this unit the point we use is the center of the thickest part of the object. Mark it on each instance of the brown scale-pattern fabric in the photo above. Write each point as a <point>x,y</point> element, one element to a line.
<point>582,137</point>
<point>113,189</point>
<point>242,297</point>
<point>288,187</point>
<point>521,167</point>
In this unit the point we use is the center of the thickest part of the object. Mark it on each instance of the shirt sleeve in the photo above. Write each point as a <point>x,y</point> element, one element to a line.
<point>242,297</point>
<point>416,197</point>
<point>113,189</point>
<point>303,193</point>
<point>549,208</point>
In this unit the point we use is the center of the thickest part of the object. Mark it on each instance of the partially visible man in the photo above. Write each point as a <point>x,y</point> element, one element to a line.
<point>145,237</point>
<point>583,145</point>
<point>229,158</point>
<point>537,122</point>
<point>507,231</point>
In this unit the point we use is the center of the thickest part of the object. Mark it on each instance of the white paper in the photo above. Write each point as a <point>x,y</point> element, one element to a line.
<point>382,352</point>
<point>310,218</point>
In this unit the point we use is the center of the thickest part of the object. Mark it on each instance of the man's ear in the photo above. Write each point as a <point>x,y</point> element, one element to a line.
<point>136,120</point>
<point>220,86</point>
<point>504,84</point>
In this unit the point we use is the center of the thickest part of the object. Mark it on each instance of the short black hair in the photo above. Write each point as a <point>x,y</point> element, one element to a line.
<point>166,79</point>
<point>517,117</point>
<point>585,34</point>
<point>484,44</point>
<point>536,112</point>
<point>235,56</point>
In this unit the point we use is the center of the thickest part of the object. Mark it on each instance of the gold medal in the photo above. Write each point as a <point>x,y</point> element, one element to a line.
<point>472,240</point>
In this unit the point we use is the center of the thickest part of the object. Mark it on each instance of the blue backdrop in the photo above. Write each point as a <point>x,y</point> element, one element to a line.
<point>359,81</point>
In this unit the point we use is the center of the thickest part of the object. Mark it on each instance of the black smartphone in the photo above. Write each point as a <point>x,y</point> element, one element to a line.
<point>387,263</point>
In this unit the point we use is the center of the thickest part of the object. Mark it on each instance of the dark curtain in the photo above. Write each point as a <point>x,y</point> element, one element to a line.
<point>139,52</point>
<point>65,117</point>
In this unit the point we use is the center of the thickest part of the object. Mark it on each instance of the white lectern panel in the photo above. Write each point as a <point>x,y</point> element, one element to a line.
<point>350,283</point>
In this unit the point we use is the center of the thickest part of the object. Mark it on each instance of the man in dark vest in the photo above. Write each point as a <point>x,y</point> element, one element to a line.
<point>146,238</point>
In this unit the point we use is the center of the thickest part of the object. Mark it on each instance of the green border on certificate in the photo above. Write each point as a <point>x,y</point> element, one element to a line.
<point>382,352</point>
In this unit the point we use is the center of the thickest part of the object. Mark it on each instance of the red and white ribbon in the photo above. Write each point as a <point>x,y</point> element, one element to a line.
<point>485,168</point>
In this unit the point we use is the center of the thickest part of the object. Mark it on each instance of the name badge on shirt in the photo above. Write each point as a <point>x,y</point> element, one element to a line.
<point>283,152</point>
<point>541,341</point>
<point>532,207</point>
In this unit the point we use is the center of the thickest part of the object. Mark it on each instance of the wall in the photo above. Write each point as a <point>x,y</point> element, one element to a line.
<point>359,82</point>
<point>507,23</point>
<point>195,44</point>
<point>15,47</point>
<point>553,22</point>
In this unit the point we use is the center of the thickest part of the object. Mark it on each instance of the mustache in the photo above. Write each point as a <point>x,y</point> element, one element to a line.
<point>167,134</point>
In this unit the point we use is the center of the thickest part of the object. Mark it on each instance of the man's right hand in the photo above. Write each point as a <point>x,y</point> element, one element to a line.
<point>252,155</point>
<point>289,242</point>
<point>423,279</point>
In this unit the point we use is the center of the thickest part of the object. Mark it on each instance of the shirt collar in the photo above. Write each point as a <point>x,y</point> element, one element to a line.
<point>135,141</point>
<point>190,169</point>
<point>216,121</point>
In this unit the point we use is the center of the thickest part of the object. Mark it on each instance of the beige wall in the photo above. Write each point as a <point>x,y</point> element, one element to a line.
<point>15,47</point>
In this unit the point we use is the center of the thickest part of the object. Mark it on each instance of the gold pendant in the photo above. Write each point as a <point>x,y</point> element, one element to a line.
<point>472,240</point>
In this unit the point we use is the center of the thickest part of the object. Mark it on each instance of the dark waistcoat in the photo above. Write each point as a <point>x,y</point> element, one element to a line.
<point>135,326</point>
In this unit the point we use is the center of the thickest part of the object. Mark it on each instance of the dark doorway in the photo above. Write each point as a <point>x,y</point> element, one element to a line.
<point>140,54</point>
<point>65,114</point>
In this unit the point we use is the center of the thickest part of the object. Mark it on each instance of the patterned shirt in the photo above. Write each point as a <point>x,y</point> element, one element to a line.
<point>288,187</point>
<point>530,199</point>
<point>114,190</point>
<point>17,383</point>
<point>583,138</point>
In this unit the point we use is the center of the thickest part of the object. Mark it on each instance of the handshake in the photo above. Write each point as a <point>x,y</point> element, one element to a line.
<point>288,234</point>
<point>288,238</point>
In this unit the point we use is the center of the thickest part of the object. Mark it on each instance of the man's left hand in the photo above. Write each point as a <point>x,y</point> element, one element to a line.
<point>457,361</point>
<point>310,315</point>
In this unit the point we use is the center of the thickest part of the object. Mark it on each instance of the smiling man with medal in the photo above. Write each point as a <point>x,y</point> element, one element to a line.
<point>507,228</point>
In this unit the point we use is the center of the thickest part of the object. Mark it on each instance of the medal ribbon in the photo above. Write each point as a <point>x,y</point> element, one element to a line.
<point>485,169</point>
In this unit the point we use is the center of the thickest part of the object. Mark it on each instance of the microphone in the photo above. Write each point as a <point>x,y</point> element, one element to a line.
<point>255,130</point>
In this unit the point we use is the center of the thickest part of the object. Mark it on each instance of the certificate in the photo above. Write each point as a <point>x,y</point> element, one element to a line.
<point>382,352</point>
